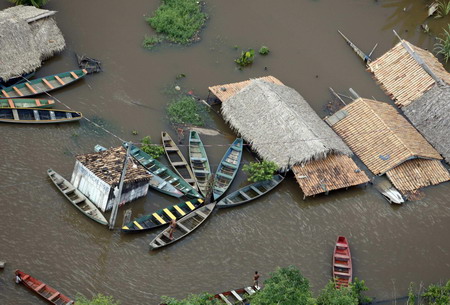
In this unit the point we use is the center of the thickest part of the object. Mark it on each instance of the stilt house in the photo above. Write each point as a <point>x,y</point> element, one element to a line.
<point>418,83</point>
<point>28,36</point>
<point>97,176</point>
<point>281,127</point>
<point>388,144</point>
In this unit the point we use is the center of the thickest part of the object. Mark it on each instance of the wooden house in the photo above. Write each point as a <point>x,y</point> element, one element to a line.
<point>97,176</point>
<point>281,127</point>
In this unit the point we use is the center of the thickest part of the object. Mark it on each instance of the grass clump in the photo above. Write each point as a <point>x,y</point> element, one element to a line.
<point>246,58</point>
<point>178,20</point>
<point>155,151</point>
<point>443,8</point>
<point>442,46</point>
<point>151,41</point>
<point>260,171</point>
<point>264,50</point>
<point>186,110</point>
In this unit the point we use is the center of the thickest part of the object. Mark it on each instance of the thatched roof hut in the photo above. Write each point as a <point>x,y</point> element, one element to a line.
<point>282,127</point>
<point>29,36</point>
<point>387,143</point>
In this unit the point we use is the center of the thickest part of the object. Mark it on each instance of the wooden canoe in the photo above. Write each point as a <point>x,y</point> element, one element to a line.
<point>342,263</point>
<point>168,182</point>
<point>250,192</point>
<point>184,226</point>
<point>41,85</point>
<point>237,296</point>
<point>26,103</point>
<point>177,160</point>
<point>162,216</point>
<point>43,290</point>
<point>199,162</point>
<point>38,116</point>
<point>75,197</point>
<point>228,168</point>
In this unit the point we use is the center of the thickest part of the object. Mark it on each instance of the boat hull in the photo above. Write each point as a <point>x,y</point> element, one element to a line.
<point>26,103</point>
<point>342,263</point>
<point>199,162</point>
<point>38,116</point>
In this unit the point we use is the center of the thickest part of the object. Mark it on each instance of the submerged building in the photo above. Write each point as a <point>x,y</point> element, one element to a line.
<point>97,176</point>
<point>282,127</point>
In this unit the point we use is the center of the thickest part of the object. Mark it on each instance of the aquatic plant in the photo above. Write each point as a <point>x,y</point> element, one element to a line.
<point>98,299</point>
<point>36,3</point>
<point>442,46</point>
<point>178,20</point>
<point>151,41</point>
<point>260,171</point>
<point>246,58</point>
<point>264,50</point>
<point>155,151</point>
<point>186,110</point>
<point>443,8</point>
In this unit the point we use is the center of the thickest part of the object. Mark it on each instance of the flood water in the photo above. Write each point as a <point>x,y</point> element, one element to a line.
<point>41,233</point>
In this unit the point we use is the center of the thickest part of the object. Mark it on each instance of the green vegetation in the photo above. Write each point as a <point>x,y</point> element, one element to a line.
<point>330,295</point>
<point>246,58</point>
<point>443,8</point>
<point>36,3</point>
<point>260,171</point>
<point>178,20</point>
<point>155,151</point>
<point>264,50</point>
<point>151,41</point>
<point>433,295</point>
<point>186,110</point>
<point>99,299</point>
<point>192,299</point>
<point>442,45</point>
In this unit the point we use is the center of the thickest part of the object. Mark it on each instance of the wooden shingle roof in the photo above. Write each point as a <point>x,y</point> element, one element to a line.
<point>107,165</point>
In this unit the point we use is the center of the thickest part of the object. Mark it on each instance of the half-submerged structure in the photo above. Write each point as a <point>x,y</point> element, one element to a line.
<point>418,83</point>
<point>97,176</point>
<point>28,36</point>
<point>388,144</point>
<point>282,127</point>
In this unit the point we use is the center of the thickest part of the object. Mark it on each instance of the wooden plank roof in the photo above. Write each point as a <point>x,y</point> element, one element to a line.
<point>107,165</point>
<point>224,92</point>
<point>379,135</point>
<point>417,173</point>
<point>332,173</point>
<point>402,78</point>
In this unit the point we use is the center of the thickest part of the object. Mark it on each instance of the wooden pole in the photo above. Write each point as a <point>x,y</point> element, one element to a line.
<point>112,219</point>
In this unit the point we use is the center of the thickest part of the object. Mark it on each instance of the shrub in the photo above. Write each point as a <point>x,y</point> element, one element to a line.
<point>155,151</point>
<point>178,20</point>
<point>192,299</point>
<point>246,58</point>
<point>443,8</point>
<point>150,42</point>
<point>437,294</point>
<point>443,44</point>
<point>260,171</point>
<point>36,3</point>
<point>186,110</point>
<point>99,299</point>
<point>330,296</point>
<point>264,50</point>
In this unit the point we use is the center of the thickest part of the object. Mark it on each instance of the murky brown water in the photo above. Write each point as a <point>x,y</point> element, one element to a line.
<point>42,234</point>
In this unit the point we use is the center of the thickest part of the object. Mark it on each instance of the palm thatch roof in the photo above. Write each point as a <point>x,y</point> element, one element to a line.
<point>280,125</point>
<point>430,114</point>
<point>28,36</point>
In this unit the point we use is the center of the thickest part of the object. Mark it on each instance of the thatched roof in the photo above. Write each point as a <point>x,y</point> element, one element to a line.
<point>379,135</point>
<point>401,76</point>
<point>108,164</point>
<point>334,172</point>
<point>430,114</point>
<point>280,125</point>
<point>28,36</point>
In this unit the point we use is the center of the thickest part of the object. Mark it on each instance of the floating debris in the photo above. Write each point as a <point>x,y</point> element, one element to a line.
<point>90,64</point>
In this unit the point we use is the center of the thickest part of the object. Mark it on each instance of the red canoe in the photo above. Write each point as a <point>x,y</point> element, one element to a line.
<point>45,291</point>
<point>342,263</point>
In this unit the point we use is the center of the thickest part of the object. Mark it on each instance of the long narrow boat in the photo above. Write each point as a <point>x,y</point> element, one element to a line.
<point>44,84</point>
<point>75,197</point>
<point>38,116</point>
<point>342,263</point>
<point>184,226</point>
<point>43,290</point>
<point>199,162</point>
<point>26,103</point>
<point>228,168</point>
<point>237,296</point>
<point>162,216</point>
<point>177,160</point>
<point>170,183</point>
<point>250,192</point>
